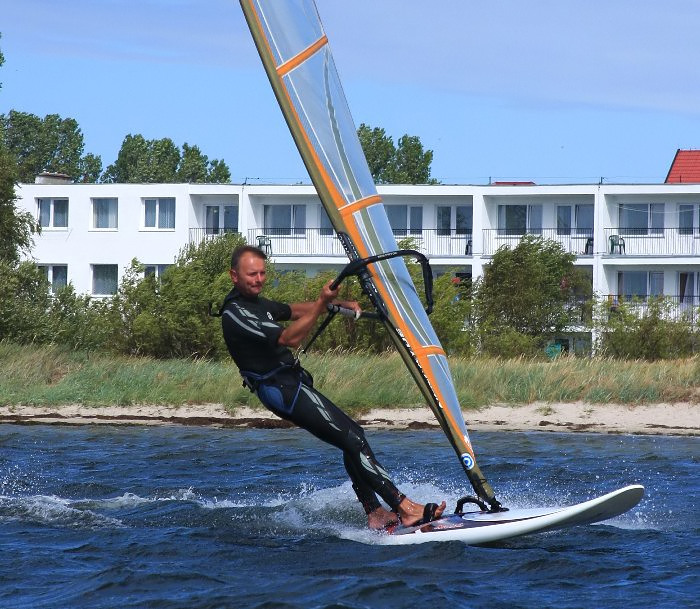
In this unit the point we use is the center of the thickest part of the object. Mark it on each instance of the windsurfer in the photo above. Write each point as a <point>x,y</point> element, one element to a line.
<point>261,349</point>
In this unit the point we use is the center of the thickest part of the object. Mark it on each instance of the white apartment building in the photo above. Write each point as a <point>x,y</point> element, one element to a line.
<point>636,240</point>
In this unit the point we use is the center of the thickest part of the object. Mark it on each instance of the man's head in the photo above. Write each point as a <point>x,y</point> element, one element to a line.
<point>248,270</point>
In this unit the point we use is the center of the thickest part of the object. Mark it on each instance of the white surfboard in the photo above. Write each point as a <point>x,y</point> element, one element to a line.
<point>484,527</point>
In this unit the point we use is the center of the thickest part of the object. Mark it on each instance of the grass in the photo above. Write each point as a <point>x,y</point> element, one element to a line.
<point>49,375</point>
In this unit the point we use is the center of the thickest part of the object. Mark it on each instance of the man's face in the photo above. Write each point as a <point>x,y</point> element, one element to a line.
<point>249,276</point>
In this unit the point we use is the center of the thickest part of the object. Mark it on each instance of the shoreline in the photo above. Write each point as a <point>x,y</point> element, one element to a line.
<point>646,419</point>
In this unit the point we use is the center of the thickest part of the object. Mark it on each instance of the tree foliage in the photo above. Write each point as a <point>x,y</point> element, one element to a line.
<point>407,163</point>
<point>52,144</point>
<point>526,291</point>
<point>646,330</point>
<point>16,228</point>
<point>160,161</point>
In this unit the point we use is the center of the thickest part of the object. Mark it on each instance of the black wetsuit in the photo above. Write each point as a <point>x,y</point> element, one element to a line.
<point>251,336</point>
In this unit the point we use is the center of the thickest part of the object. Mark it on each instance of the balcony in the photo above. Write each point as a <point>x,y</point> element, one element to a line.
<point>573,241</point>
<point>324,242</point>
<point>652,241</point>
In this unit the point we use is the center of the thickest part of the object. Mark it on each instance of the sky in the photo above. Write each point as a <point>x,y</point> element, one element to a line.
<point>553,91</point>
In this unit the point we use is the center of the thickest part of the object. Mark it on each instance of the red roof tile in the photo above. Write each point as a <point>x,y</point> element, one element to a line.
<point>685,167</point>
<point>512,183</point>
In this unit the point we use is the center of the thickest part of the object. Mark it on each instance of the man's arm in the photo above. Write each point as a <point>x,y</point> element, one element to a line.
<point>305,314</point>
<point>302,308</point>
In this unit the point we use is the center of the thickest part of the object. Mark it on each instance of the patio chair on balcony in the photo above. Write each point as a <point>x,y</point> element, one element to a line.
<point>617,244</point>
<point>265,244</point>
<point>588,251</point>
<point>468,248</point>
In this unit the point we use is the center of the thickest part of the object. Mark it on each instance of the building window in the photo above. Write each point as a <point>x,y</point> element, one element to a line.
<point>159,213</point>
<point>52,213</point>
<point>563,219</point>
<point>211,220</point>
<point>584,220</point>
<point>326,227</point>
<point>155,270</point>
<point>284,219</point>
<point>56,275</point>
<point>405,219</point>
<point>519,219</point>
<point>464,215</point>
<point>686,288</point>
<point>104,213</point>
<point>105,279</point>
<point>458,216</point>
<point>641,219</point>
<point>640,284</point>
<point>444,220</point>
<point>213,215</point>
<point>230,218</point>
<point>685,219</point>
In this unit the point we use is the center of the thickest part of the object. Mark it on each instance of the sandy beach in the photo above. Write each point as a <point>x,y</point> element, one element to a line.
<point>659,419</point>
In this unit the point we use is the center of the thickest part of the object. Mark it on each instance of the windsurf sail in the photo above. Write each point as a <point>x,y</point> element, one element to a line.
<point>294,49</point>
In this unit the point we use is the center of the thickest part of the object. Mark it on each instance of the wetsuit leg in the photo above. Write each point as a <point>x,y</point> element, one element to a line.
<point>318,415</point>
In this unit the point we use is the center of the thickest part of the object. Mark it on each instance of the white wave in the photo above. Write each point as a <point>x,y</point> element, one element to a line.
<point>52,510</point>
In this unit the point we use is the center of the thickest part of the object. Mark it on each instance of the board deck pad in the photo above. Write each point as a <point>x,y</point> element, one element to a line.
<point>484,527</point>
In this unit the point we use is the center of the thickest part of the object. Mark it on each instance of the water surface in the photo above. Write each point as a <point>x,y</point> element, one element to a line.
<point>108,516</point>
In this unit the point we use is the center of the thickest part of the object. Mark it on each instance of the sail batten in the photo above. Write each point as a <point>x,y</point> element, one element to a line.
<point>296,54</point>
<point>292,63</point>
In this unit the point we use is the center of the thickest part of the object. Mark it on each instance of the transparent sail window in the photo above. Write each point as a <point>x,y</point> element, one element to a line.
<point>290,26</point>
<point>320,104</point>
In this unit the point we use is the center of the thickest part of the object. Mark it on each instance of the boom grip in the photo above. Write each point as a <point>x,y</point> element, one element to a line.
<point>354,267</point>
<point>345,312</point>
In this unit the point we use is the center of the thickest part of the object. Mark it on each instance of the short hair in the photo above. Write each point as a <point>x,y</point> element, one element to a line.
<point>245,249</point>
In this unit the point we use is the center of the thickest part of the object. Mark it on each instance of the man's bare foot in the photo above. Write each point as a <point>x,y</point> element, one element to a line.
<point>411,512</point>
<point>381,518</point>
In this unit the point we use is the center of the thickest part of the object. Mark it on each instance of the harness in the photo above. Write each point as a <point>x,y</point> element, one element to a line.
<point>279,388</point>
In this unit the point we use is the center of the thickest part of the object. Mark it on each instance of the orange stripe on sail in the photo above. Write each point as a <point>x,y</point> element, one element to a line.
<point>351,208</point>
<point>429,350</point>
<point>337,197</point>
<point>300,58</point>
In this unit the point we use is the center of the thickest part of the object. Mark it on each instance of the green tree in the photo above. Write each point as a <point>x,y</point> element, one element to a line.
<point>160,161</point>
<point>524,295</point>
<point>379,151</point>
<point>411,163</point>
<point>193,165</point>
<point>407,163</point>
<point>52,144</point>
<point>16,228</point>
<point>219,173</point>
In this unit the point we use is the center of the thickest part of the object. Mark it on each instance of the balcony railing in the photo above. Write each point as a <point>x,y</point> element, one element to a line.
<point>296,241</point>
<point>455,244</point>
<point>652,241</point>
<point>673,308</point>
<point>197,235</point>
<point>324,242</point>
<point>574,241</point>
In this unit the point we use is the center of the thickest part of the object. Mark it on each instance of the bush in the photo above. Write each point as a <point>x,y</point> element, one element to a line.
<point>626,334</point>
<point>509,343</point>
<point>24,303</point>
<point>169,316</point>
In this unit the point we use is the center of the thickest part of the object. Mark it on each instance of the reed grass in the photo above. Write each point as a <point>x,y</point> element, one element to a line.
<point>49,375</point>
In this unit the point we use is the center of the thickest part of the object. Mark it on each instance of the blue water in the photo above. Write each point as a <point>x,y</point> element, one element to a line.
<point>100,516</point>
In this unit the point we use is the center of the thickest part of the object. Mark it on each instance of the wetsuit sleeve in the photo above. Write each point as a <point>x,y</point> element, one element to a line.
<point>238,321</point>
<point>280,311</point>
